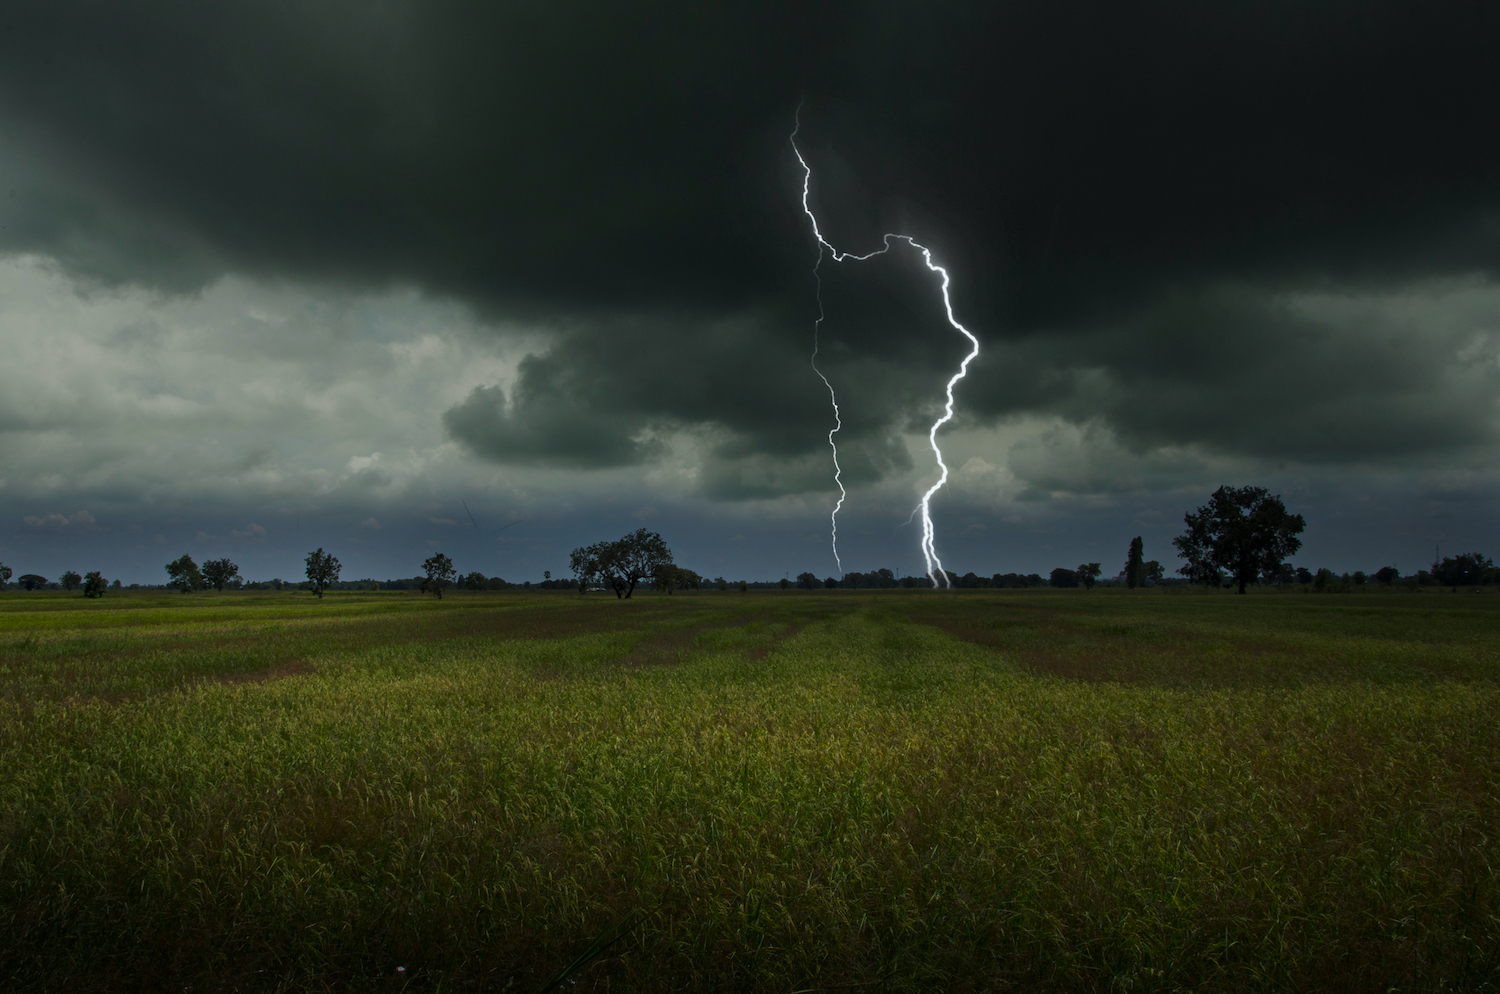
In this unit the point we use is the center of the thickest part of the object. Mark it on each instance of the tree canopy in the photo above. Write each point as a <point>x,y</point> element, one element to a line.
<point>183,574</point>
<point>623,563</point>
<point>219,573</point>
<point>440,573</point>
<point>322,569</point>
<point>1244,531</point>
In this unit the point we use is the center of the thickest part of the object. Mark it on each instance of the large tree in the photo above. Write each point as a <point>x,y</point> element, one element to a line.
<point>623,563</point>
<point>183,574</point>
<point>1244,531</point>
<point>639,555</point>
<point>322,569</point>
<point>440,573</point>
<point>4,575</point>
<point>219,573</point>
<point>71,580</point>
<point>94,584</point>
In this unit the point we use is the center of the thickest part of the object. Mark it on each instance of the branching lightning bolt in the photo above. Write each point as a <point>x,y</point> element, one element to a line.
<point>935,571</point>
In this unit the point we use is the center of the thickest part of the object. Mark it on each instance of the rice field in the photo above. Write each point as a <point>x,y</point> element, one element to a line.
<point>773,791</point>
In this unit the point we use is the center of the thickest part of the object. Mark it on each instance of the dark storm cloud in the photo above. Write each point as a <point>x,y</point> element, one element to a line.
<point>1095,174</point>
<point>607,393</point>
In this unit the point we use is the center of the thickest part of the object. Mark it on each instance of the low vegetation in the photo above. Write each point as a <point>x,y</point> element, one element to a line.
<point>779,791</point>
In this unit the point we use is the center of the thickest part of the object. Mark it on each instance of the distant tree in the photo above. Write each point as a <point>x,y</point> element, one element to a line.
<point>1387,575</point>
<point>4,575</point>
<point>721,584</point>
<point>1088,573</point>
<point>807,581</point>
<point>94,584</point>
<point>1304,575</point>
<point>829,583</point>
<point>70,581</point>
<point>785,583</point>
<point>1135,565</point>
<point>1153,571</point>
<point>440,574</point>
<point>476,581</point>
<point>744,587</point>
<point>1360,578</point>
<point>183,574</point>
<point>322,569</point>
<point>1063,578</point>
<point>115,584</point>
<point>1243,530</point>
<point>1325,580</point>
<point>219,573</point>
<point>1464,570</point>
<point>31,581</point>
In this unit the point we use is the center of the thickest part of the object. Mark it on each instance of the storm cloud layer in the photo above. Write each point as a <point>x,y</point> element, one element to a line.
<point>1189,236</point>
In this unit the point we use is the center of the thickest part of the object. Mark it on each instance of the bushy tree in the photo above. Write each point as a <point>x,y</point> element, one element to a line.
<point>1387,575</point>
<point>32,581</point>
<point>807,581</point>
<point>1242,530</point>
<point>94,584</point>
<point>829,583</point>
<point>219,573</point>
<point>440,574</point>
<point>785,583</point>
<point>1087,573</point>
<point>322,569</point>
<point>1135,563</point>
<point>183,574</point>
<point>4,575</point>
<point>70,581</point>
<point>1153,571</point>
<point>1063,578</point>
<point>672,578</point>
<point>476,580</point>
<point>624,563</point>
<point>1464,570</point>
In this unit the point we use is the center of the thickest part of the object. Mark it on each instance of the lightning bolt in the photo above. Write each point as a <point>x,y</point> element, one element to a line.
<point>924,507</point>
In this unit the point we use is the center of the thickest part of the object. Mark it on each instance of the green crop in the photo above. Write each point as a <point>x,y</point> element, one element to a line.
<point>769,792</point>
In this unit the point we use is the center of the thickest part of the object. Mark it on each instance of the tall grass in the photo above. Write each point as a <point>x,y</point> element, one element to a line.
<point>761,792</point>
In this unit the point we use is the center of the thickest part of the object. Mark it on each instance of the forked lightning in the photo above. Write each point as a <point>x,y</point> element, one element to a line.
<point>929,551</point>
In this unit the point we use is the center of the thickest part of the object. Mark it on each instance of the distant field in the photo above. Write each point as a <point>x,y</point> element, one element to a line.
<point>773,791</point>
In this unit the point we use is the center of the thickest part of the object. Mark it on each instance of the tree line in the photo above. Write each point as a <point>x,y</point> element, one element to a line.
<point>1242,536</point>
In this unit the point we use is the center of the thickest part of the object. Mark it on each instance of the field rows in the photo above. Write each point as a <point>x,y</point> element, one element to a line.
<point>762,792</point>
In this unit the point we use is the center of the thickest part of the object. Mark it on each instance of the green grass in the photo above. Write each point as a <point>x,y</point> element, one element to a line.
<point>907,791</point>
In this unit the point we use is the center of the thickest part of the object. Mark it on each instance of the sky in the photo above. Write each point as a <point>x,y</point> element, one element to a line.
<point>503,279</point>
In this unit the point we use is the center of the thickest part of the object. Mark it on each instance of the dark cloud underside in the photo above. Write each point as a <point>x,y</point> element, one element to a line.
<point>1128,197</point>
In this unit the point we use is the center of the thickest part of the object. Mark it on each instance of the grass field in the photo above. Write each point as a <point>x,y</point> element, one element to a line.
<point>897,791</point>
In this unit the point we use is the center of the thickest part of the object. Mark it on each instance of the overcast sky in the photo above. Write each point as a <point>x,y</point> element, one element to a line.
<point>280,275</point>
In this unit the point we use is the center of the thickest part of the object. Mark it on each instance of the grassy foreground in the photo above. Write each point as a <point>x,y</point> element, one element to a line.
<point>907,790</point>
